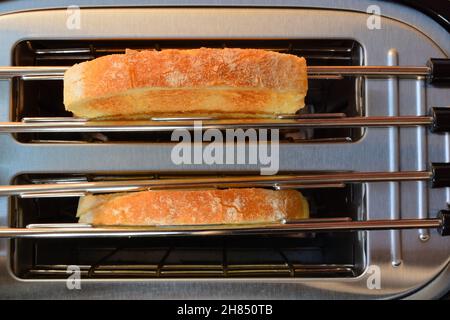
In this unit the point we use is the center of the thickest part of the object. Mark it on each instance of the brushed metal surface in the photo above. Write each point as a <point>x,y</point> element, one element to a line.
<point>422,261</point>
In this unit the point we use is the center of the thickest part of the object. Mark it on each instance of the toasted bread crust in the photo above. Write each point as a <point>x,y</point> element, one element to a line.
<point>175,207</point>
<point>199,81</point>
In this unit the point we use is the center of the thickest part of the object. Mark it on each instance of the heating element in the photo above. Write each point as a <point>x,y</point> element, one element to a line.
<point>370,152</point>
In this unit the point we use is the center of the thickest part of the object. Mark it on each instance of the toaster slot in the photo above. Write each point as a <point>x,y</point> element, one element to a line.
<point>324,254</point>
<point>43,97</point>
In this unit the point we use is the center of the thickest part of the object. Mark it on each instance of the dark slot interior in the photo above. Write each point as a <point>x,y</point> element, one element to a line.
<point>44,98</point>
<point>328,254</point>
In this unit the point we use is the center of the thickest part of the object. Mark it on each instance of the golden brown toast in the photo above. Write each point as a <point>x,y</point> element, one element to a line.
<point>193,207</point>
<point>232,82</point>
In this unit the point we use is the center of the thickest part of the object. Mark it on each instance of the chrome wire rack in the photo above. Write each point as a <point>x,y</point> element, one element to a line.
<point>438,122</point>
<point>442,223</point>
<point>436,72</point>
<point>57,73</point>
<point>439,176</point>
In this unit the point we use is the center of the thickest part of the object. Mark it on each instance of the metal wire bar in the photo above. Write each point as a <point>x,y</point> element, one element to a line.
<point>148,271</point>
<point>78,125</point>
<point>219,230</point>
<point>212,182</point>
<point>8,72</point>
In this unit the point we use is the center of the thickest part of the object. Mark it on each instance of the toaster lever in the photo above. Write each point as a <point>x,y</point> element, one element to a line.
<point>439,71</point>
<point>440,174</point>
<point>441,119</point>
